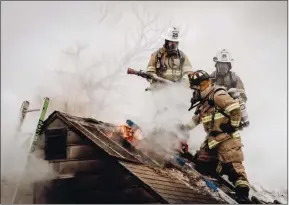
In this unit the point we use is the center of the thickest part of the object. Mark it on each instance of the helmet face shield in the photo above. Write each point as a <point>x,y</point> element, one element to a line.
<point>171,46</point>
<point>223,68</point>
<point>196,93</point>
<point>196,96</point>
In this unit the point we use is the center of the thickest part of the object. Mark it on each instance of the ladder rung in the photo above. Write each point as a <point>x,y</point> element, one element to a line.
<point>32,110</point>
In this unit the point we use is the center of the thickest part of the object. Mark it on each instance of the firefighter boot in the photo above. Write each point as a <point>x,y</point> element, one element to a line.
<point>242,192</point>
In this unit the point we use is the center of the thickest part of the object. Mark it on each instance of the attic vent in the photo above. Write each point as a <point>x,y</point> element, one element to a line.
<point>55,144</point>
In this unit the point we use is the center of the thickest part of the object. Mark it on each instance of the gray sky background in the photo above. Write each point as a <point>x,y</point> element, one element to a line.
<point>34,34</point>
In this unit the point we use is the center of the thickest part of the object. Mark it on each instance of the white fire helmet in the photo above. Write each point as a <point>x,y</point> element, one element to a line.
<point>223,56</point>
<point>172,35</point>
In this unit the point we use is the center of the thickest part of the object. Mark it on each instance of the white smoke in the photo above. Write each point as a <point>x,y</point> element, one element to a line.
<point>14,148</point>
<point>42,37</point>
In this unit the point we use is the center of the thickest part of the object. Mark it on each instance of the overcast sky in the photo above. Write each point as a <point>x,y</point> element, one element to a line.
<point>34,34</point>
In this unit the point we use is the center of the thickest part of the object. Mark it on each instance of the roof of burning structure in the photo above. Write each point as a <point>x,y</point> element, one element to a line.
<point>172,185</point>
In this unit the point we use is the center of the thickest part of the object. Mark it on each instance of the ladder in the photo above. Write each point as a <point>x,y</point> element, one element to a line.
<point>23,112</point>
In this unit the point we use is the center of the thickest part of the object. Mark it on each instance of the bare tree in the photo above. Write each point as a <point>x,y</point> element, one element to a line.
<point>108,8</point>
<point>98,89</point>
<point>147,39</point>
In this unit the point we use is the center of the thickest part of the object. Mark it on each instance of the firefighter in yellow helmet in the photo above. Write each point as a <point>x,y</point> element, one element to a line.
<point>169,62</point>
<point>223,74</point>
<point>221,152</point>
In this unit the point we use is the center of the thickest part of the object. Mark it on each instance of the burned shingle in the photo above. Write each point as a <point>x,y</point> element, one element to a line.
<point>164,185</point>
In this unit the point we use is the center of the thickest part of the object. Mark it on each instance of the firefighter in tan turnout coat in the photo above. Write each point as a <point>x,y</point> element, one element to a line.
<point>220,114</point>
<point>223,74</point>
<point>169,62</point>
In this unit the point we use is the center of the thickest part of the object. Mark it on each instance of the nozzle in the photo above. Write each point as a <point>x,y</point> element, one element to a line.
<point>131,71</point>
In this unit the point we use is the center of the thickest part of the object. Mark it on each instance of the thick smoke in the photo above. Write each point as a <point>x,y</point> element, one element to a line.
<point>77,54</point>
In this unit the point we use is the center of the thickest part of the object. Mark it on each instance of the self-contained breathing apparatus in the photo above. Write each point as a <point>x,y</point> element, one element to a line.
<point>235,94</point>
<point>197,101</point>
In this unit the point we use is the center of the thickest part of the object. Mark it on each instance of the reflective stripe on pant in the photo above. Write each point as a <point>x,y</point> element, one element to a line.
<point>242,183</point>
<point>235,171</point>
<point>214,143</point>
<point>230,157</point>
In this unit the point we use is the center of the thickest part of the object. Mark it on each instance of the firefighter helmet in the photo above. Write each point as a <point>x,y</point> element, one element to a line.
<point>197,77</point>
<point>172,35</point>
<point>223,56</point>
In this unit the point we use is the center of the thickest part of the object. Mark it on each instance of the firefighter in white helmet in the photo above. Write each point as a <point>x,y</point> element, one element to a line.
<point>223,75</point>
<point>169,62</point>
